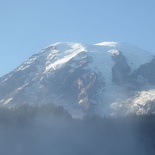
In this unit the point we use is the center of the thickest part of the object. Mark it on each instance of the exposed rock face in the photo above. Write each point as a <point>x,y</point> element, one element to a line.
<point>121,70</point>
<point>104,79</point>
<point>145,73</point>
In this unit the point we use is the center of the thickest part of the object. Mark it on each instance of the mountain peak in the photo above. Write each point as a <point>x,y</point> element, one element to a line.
<point>111,44</point>
<point>103,79</point>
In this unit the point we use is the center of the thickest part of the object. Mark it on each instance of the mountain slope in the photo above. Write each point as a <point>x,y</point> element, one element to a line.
<point>105,78</point>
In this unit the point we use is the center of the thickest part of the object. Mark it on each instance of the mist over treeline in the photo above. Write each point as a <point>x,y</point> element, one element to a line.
<point>50,130</point>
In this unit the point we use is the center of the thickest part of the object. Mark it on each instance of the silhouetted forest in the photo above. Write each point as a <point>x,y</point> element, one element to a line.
<point>50,130</point>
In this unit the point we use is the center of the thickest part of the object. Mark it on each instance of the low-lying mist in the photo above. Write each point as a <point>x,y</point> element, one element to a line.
<point>50,130</point>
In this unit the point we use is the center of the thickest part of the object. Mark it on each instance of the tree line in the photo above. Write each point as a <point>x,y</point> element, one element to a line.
<point>47,129</point>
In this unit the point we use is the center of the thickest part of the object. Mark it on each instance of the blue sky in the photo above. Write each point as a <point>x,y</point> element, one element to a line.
<point>27,26</point>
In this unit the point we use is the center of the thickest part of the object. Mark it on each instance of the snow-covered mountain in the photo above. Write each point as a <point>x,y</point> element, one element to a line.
<point>105,78</point>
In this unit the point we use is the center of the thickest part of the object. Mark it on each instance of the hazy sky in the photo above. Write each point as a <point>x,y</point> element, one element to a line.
<point>27,26</point>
